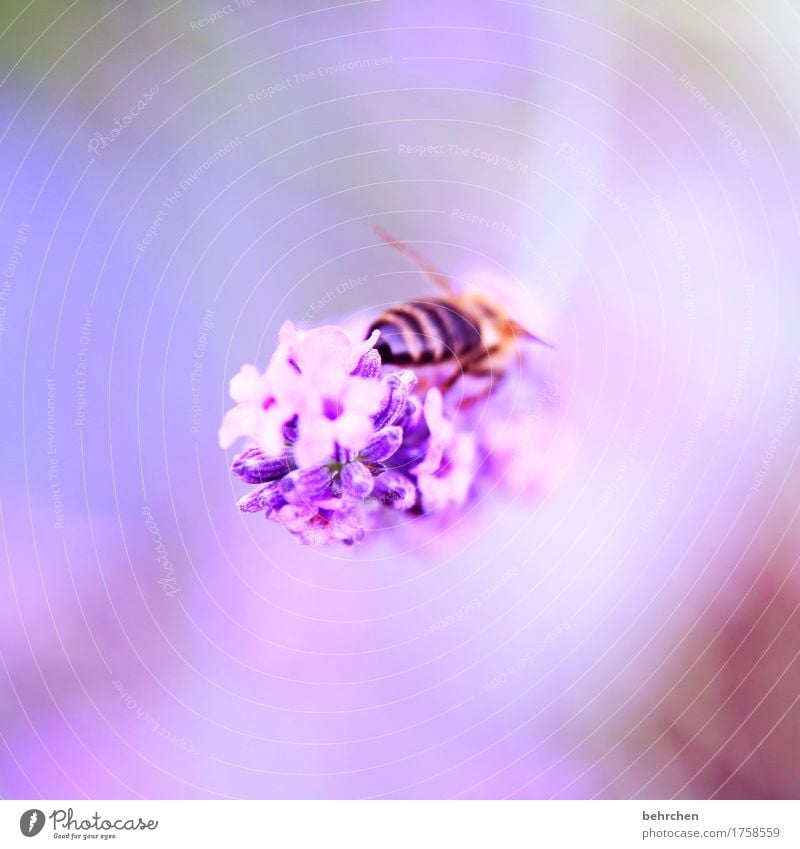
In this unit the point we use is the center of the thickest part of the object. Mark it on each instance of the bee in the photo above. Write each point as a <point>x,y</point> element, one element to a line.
<point>468,329</point>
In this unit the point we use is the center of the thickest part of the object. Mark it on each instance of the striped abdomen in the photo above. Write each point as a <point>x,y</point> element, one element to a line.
<point>419,332</point>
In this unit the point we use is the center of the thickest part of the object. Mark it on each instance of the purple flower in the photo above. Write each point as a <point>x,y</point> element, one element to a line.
<point>382,445</point>
<point>317,526</point>
<point>341,442</point>
<point>336,405</point>
<point>397,389</point>
<point>336,434</point>
<point>396,490</point>
<point>264,403</point>
<point>321,380</point>
<point>253,466</point>
<point>267,498</point>
<point>357,480</point>
<point>446,473</point>
<point>369,365</point>
<point>307,486</point>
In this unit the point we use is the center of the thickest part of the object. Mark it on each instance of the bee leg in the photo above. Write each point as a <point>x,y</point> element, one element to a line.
<point>462,368</point>
<point>451,381</point>
<point>481,396</point>
<point>492,380</point>
<point>467,366</point>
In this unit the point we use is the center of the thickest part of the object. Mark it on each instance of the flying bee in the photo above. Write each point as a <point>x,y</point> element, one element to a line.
<point>468,329</point>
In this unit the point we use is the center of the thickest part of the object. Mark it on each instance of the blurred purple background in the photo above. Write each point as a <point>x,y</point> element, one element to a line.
<point>177,180</point>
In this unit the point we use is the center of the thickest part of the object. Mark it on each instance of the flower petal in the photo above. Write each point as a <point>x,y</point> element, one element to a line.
<point>315,442</point>
<point>396,490</point>
<point>314,484</point>
<point>397,388</point>
<point>369,365</point>
<point>359,349</point>
<point>233,426</point>
<point>452,481</point>
<point>412,420</point>
<point>317,349</point>
<point>382,445</point>
<point>289,430</point>
<point>253,466</point>
<point>246,385</point>
<point>441,432</point>
<point>357,480</point>
<point>267,498</point>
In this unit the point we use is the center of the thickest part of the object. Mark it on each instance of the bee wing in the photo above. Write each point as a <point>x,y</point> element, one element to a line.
<point>522,309</point>
<point>437,277</point>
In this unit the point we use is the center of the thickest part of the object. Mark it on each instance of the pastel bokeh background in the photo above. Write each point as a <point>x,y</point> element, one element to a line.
<point>178,179</point>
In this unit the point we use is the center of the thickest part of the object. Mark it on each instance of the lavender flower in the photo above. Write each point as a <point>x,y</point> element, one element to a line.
<point>322,421</point>
<point>310,377</point>
<point>446,472</point>
<point>253,466</point>
<point>341,444</point>
<point>261,407</point>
